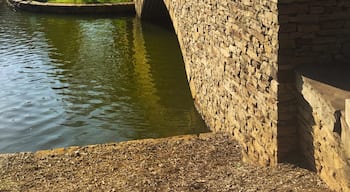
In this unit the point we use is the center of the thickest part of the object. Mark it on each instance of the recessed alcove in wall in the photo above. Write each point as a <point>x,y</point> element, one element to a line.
<point>314,62</point>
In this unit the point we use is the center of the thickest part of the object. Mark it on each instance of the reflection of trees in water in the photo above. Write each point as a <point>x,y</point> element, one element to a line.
<point>20,28</point>
<point>96,65</point>
<point>160,76</point>
<point>168,67</point>
<point>102,79</point>
<point>146,92</point>
<point>63,34</point>
<point>112,74</point>
<point>90,49</point>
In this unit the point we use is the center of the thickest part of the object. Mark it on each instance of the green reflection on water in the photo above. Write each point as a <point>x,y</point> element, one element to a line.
<point>113,78</point>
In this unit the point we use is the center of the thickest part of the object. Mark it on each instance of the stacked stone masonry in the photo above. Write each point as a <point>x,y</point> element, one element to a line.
<point>240,58</point>
<point>230,51</point>
<point>324,134</point>
<point>315,33</point>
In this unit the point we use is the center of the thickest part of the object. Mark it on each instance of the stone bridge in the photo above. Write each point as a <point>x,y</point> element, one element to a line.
<point>272,73</point>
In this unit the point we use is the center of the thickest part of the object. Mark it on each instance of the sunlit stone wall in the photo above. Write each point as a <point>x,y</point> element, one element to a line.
<point>230,52</point>
<point>324,133</point>
<point>240,59</point>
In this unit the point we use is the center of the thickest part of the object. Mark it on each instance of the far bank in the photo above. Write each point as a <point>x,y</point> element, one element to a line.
<point>120,9</point>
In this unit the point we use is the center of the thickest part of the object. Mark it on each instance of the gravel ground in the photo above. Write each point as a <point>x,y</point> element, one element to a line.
<point>209,162</point>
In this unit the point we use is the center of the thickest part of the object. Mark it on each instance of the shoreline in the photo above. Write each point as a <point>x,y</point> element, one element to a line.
<point>208,162</point>
<point>120,9</point>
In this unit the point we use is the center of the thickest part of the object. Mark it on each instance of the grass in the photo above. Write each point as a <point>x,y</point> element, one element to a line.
<point>84,1</point>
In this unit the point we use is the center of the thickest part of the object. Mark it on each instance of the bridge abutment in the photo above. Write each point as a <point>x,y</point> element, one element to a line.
<point>241,58</point>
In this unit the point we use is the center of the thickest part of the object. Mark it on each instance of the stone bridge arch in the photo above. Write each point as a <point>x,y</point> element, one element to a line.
<point>242,60</point>
<point>213,47</point>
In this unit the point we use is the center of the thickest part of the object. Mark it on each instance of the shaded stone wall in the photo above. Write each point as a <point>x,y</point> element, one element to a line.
<point>315,35</point>
<point>313,32</point>
<point>230,53</point>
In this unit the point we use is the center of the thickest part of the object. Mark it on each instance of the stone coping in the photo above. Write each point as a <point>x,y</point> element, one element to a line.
<point>124,8</point>
<point>332,82</point>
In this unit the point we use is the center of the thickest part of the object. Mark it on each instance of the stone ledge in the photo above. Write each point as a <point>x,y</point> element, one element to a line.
<point>323,131</point>
<point>126,8</point>
<point>332,82</point>
<point>331,85</point>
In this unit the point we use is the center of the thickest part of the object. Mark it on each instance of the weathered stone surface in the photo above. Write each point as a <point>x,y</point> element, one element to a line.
<point>347,111</point>
<point>230,52</point>
<point>324,135</point>
<point>240,58</point>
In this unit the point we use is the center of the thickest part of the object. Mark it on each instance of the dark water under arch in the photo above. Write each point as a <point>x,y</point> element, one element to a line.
<point>84,80</point>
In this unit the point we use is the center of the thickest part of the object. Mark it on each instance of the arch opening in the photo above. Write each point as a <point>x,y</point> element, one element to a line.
<point>155,12</point>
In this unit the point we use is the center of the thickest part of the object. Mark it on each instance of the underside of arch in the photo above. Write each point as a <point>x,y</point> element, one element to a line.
<point>154,11</point>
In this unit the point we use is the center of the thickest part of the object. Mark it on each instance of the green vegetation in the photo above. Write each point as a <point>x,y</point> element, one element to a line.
<point>84,1</point>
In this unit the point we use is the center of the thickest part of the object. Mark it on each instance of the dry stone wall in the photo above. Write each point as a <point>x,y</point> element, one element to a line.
<point>315,35</point>
<point>324,132</point>
<point>313,32</point>
<point>240,58</point>
<point>230,52</point>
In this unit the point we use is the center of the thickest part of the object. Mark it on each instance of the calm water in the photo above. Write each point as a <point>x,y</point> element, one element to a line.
<point>81,80</point>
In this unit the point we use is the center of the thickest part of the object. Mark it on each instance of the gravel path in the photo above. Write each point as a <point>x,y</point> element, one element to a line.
<point>210,162</point>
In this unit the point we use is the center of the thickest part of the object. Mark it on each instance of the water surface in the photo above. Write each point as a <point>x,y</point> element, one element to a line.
<point>84,80</point>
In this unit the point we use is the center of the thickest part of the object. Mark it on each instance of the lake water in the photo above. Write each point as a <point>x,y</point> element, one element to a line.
<point>74,80</point>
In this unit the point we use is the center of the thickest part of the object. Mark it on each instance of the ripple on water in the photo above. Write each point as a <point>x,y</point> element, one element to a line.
<point>77,81</point>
